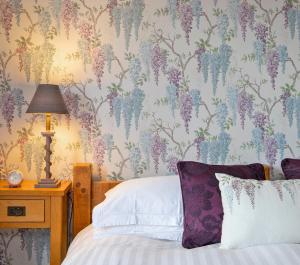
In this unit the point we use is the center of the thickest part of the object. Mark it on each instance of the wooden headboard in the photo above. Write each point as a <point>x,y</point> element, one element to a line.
<point>88,193</point>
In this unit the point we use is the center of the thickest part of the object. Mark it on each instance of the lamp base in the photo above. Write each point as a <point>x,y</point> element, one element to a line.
<point>48,183</point>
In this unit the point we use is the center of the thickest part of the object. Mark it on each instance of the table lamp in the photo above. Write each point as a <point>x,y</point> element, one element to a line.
<point>47,99</point>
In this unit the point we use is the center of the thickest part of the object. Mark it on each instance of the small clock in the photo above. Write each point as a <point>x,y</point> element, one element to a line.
<point>14,178</point>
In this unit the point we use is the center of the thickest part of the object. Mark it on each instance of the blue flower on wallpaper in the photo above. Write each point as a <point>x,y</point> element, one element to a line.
<point>196,10</point>
<point>172,93</point>
<point>232,99</point>
<point>145,142</point>
<point>298,25</point>
<point>196,100</point>
<point>214,151</point>
<point>204,149</point>
<point>109,143</point>
<point>259,53</point>
<point>225,54</point>
<point>223,23</point>
<point>224,143</point>
<point>205,57</point>
<point>127,22</point>
<point>116,14</point>
<point>135,69</point>
<point>17,9</point>
<point>135,158</point>
<point>292,21</point>
<point>257,139</point>
<point>172,6</point>
<point>44,21</point>
<point>215,67</point>
<point>108,54</point>
<point>117,109</point>
<point>290,107</point>
<point>145,54</point>
<point>233,8</point>
<point>283,56</point>
<point>281,143</point>
<point>138,97</point>
<point>222,113</point>
<point>128,109</point>
<point>298,115</point>
<point>138,9</point>
<point>19,100</point>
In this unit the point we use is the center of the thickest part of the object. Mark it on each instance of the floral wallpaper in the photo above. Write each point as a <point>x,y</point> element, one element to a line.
<point>147,83</point>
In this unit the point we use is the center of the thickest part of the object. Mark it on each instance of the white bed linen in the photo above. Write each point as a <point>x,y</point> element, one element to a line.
<point>134,250</point>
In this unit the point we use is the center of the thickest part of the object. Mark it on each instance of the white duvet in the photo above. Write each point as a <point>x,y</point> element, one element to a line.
<point>134,250</point>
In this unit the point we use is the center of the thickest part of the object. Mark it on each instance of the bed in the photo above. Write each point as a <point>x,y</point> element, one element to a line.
<point>135,250</point>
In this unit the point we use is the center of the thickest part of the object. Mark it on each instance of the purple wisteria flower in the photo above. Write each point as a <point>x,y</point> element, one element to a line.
<point>270,150</point>
<point>272,65</point>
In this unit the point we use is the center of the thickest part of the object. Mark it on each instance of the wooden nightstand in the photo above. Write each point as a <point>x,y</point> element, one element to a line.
<point>29,207</point>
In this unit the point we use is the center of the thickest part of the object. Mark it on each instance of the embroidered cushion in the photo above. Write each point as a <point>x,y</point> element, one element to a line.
<point>202,206</point>
<point>259,212</point>
<point>291,168</point>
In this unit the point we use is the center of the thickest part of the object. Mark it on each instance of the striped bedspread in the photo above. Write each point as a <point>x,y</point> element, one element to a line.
<point>132,250</point>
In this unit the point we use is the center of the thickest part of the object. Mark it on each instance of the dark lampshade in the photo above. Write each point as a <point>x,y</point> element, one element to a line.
<point>47,99</point>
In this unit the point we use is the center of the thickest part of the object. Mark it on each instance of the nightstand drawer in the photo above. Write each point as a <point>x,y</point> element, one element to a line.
<point>22,211</point>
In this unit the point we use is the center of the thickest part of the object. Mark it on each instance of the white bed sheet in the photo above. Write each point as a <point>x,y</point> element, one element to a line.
<point>134,250</point>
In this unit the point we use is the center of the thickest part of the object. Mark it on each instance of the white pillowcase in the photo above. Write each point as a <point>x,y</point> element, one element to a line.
<point>259,212</point>
<point>173,233</point>
<point>144,201</point>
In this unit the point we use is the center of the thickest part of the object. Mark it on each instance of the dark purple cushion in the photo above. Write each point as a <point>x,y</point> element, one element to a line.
<point>202,205</point>
<point>291,168</point>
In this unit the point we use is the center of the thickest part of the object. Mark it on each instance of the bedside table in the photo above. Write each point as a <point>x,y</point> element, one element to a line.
<point>29,207</point>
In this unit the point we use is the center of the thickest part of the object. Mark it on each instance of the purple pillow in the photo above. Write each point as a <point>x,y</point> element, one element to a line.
<point>291,168</point>
<point>202,205</point>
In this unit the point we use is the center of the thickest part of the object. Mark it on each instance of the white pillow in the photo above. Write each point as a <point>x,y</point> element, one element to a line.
<point>144,201</point>
<point>259,212</point>
<point>173,233</point>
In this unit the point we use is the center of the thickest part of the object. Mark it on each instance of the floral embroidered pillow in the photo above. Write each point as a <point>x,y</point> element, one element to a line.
<point>202,206</point>
<point>259,212</point>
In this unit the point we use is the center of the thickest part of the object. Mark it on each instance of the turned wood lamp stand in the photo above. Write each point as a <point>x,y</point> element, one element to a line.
<point>47,99</point>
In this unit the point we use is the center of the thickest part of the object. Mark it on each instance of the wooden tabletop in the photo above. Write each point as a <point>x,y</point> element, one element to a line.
<point>27,188</point>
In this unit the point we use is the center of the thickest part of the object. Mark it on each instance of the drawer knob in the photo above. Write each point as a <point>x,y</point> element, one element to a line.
<point>16,211</point>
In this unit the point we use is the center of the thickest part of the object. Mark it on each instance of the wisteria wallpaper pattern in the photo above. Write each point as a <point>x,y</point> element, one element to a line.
<point>147,83</point>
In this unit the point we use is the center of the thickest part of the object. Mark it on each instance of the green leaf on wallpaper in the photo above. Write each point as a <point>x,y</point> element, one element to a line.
<point>201,133</point>
<point>161,12</point>
<point>229,35</point>
<point>142,79</point>
<point>129,145</point>
<point>129,56</point>
<point>51,33</point>
<point>248,146</point>
<point>248,57</point>
<point>202,43</point>
<point>75,56</point>
<point>114,88</point>
<point>161,101</point>
<point>37,9</point>
<point>114,176</point>
<point>216,101</point>
<point>141,168</point>
<point>217,12</point>
<point>271,41</point>
<point>288,88</point>
<point>228,124</point>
